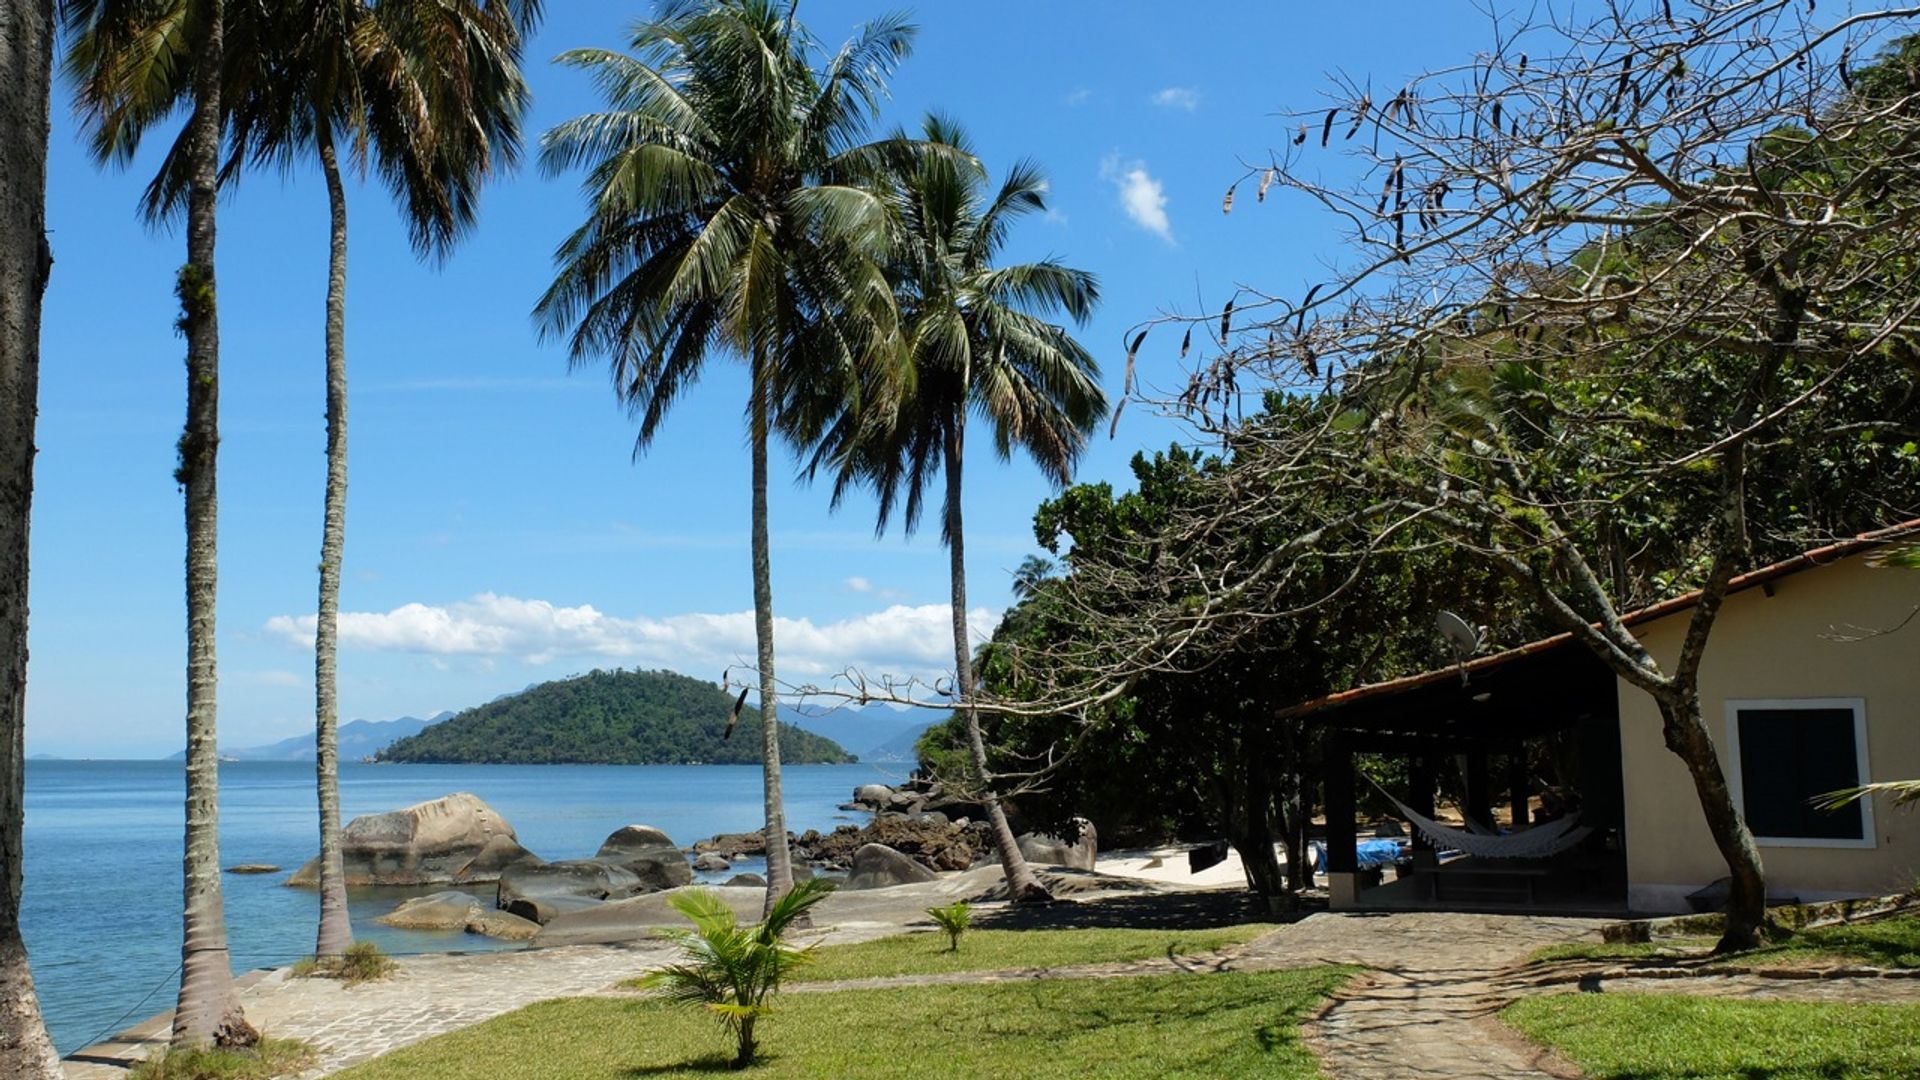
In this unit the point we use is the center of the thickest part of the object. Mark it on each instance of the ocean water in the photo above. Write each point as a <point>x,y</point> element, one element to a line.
<point>103,848</point>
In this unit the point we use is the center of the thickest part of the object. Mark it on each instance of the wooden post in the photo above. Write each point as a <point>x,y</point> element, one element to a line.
<point>1420,774</point>
<point>1478,803</point>
<point>1343,854</point>
<point>1517,784</point>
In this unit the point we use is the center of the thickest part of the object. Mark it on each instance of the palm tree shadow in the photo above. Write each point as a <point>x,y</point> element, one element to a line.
<point>720,1063</point>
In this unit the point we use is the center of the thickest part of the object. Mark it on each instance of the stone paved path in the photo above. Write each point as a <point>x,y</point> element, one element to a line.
<point>1426,1010</point>
<point>427,996</point>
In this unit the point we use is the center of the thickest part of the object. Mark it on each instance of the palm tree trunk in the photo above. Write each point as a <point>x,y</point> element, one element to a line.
<point>208,1010</point>
<point>779,860</point>
<point>1022,886</point>
<point>26,58</point>
<point>336,932</point>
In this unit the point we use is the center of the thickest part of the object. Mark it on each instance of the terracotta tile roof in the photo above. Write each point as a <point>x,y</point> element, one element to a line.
<point>1807,560</point>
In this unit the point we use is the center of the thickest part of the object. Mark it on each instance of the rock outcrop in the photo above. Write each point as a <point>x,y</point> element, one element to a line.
<point>503,926</point>
<point>438,911</point>
<point>587,879</point>
<point>648,854</point>
<point>456,839</point>
<point>876,866</point>
<point>1078,853</point>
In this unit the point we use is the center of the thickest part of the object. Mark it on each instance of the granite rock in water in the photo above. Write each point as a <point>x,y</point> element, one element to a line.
<point>502,925</point>
<point>438,911</point>
<point>455,839</point>
<point>588,879</point>
<point>711,862</point>
<point>649,854</point>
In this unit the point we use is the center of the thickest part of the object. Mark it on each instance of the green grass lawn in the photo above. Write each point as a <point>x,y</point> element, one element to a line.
<point>1891,942</point>
<point>1234,1024</point>
<point>994,950</point>
<point>1675,1037</point>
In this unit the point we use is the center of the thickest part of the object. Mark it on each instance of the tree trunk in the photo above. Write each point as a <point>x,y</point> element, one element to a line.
<point>1290,796</point>
<point>208,1011</point>
<point>779,859</point>
<point>1687,736</point>
<point>1022,886</point>
<point>1250,829</point>
<point>336,932</point>
<point>26,58</point>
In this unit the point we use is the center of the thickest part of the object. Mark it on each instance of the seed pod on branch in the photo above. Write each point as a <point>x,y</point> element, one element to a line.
<point>1326,126</point>
<point>1226,321</point>
<point>1266,181</point>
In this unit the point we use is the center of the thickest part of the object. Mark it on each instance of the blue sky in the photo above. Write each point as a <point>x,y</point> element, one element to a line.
<point>499,531</point>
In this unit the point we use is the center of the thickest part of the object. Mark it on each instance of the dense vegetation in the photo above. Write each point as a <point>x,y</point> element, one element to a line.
<point>609,718</point>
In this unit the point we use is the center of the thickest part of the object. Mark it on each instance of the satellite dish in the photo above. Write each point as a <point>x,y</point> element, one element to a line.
<point>1461,637</point>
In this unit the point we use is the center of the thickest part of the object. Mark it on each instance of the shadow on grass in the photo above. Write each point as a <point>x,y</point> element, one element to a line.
<point>1158,911</point>
<point>710,1064</point>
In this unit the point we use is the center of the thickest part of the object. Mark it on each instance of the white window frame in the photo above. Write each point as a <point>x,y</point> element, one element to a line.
<point>1869,839</point>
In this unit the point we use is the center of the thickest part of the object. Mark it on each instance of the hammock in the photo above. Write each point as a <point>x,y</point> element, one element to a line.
<point>1538,842</point>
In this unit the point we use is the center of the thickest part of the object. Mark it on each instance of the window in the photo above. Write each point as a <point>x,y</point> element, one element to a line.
<point>1788,753</point>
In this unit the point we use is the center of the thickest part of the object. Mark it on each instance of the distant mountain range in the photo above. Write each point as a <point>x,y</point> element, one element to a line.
<point>888,733</point>
<point>358,739</point>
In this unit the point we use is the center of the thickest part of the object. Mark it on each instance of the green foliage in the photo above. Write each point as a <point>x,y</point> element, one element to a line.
<point>1230,1025</point>
<point>1676,1037</point>
<point>363,962</point>
<point>269,1058</point>
<point>609,718</point>
<point>730,970</point>
<point>953,920</point>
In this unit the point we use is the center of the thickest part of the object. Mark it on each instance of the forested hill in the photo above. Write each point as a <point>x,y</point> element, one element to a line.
<point>609,718</point>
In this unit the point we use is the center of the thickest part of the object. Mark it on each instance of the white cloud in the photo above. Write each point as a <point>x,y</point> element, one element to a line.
<point>1141,196</point>
<point>900,639</point>
<point>1079,96</point>
<point>857,584</point>
<point>1177,97</point>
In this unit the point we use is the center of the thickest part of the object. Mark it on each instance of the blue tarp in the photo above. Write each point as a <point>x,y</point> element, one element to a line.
<point>1371,853</point>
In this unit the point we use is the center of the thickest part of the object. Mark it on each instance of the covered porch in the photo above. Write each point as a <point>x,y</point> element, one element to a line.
<point>1530,739</point>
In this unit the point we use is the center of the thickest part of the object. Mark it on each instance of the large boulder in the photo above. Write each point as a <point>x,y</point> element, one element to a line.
<point>648,854</point>
<point>502,925</point>
<point>876,866</point>
<point>635,918</point>
<point>439,911</point>
<point>456,839</point>
<point>928,839</point>
<point>1078,852</point>
<point>579,879</point>
<point>548,908</point>
<point>873,796</point>
<point>711,862</point>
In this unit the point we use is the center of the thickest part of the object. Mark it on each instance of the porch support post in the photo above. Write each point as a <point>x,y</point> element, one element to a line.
<point>1420,774</point>
<point>1343,855</point>
<point>1479,800</point>
<point>1517,784</point>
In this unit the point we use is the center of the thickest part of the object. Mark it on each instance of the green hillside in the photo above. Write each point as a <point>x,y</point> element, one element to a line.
<point>609,718</point>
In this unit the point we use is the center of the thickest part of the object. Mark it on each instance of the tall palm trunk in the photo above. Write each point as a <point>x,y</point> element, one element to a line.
<point>208,1010</point>
<point>1022,886</point>
<point>26,58</point>
<point>779,860</point>
<point>336,932</point>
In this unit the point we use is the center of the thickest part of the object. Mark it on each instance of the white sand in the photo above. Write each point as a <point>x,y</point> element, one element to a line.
<point>1168,866</point>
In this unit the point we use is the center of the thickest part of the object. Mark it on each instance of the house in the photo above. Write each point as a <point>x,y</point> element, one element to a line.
<point>1810,683</point>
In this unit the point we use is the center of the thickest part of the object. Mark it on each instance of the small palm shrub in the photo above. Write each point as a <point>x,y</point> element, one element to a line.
<point>363,962</point>
<point>730,970</point>
<point>954,919</point>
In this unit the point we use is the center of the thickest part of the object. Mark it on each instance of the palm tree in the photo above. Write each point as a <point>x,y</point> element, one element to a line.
<point>730,209</point>
<point>26,61</point>
<point>431,92</point>
<point>730,970</point>
<point>976,340</point>
<point>132,64</point>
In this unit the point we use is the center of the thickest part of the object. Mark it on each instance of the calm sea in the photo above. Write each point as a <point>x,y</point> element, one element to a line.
<point>103,841</point>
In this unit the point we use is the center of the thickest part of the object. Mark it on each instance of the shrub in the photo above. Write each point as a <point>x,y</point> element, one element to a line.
<point>731,970</point>
<point>954,919</point>
<point>363,962</point>
<point>269,1058</point>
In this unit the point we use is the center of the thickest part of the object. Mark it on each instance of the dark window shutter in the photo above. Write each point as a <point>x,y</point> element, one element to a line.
<point>1789,757</point>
